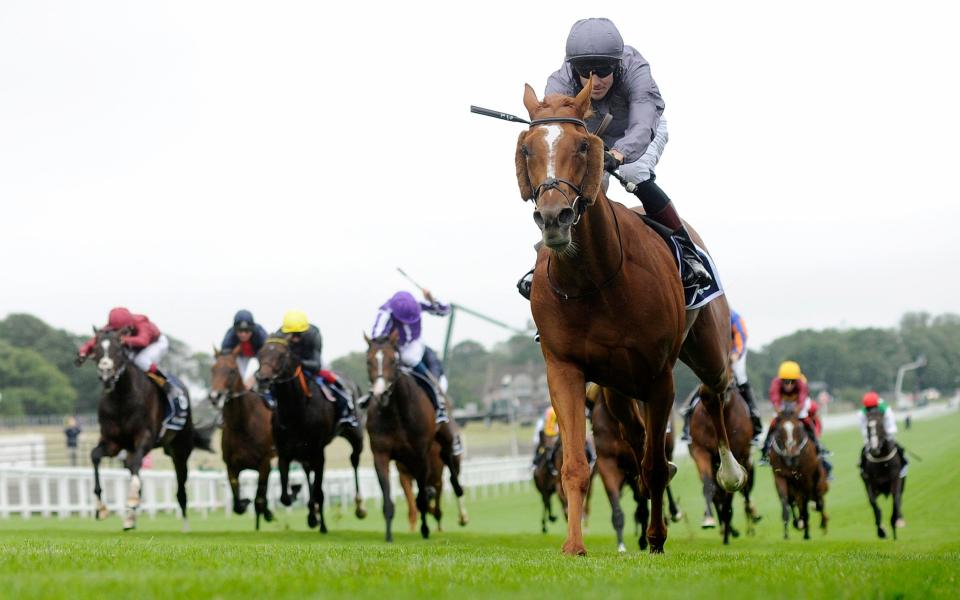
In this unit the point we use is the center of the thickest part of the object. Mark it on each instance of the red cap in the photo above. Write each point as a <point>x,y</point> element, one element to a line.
<point>119,318</point>
<point>871,399</point>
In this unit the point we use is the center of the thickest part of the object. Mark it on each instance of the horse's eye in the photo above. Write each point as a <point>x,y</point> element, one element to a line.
<point>584,146</point>
<point>524,150</point>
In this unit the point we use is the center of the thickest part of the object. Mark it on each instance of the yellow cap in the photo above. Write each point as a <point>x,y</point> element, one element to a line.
<point>295,321</point>
<point>789,370</point>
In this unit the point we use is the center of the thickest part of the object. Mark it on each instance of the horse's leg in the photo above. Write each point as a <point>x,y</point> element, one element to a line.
<point>406,484</point>
<point>805,516</point>
<point>612,478</point>
<point>134,461</point>
<point>731,476</point>
<point>547,510</point>
<point>318,490</point>
<point>283,465</point>
<point>896,519</point>
<point>642,517</point>
<point>675,513</point>
<point>381,463</point>
<point>356,444</point>
<point>239,504</point>
<point>877,515</point>
<point>419,473</point>
<point>104,448</point>
<point>704,462</point>
<point>454,466</point>
<point>566,385</point>
<point>783,493</point>
<point>655,471</point>
<point>260,503</point>
<point>180,454</point>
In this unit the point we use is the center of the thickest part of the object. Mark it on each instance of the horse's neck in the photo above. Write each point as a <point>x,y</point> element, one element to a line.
<point>124,390</point>
<point>295,404</point>
<point>598,249</point>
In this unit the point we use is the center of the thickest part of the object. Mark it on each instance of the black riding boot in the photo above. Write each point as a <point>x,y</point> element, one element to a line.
<point>525,285</point>
<point>765,450</point>
<point>658,207</point>
<point>747,395</point>
<point>687,416</point>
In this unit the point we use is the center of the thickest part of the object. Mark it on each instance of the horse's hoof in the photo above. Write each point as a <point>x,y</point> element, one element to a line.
<point>672,470</point>
<point>185,528</point>
<point>676,518</point>
<point>657,547</point>
<point>285,499</point>
<point>621,548</point>
<point>323,527</point>
<point>734,532</point>
<point>574,549</point>
<point>881,533</point>
<point>361,512</point>
<point>464,519</point>
<point>425,532</point>
<point>900,523</point>
<point>240,506</point>
<point>708,523</point>
<point>643,543</point>
<point>553,518</point>
<point>102,514</point>
<point>268,515</point>
<point>312,520</point>
<point>800,523</point>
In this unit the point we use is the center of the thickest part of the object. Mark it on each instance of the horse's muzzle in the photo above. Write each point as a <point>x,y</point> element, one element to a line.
<point>555,223</point>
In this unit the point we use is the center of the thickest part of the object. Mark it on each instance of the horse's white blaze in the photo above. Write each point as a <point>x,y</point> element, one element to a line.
<point>552,136</point>
<point>106,363</point>
<point>379,357</point>
<point>788,428</point>
<point>379,386</point>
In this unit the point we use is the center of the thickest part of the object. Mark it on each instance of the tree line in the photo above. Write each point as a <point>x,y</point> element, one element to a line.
<point>37,375</point>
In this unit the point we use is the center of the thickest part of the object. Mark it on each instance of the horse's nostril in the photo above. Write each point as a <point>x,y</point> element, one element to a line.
<point>566,216</point>
<point>538,218</point>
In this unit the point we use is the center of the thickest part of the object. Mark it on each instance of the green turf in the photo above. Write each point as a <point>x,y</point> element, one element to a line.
<point>502,553</point>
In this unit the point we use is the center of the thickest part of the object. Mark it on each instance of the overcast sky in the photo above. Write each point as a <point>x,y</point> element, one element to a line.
<point>187,159</point>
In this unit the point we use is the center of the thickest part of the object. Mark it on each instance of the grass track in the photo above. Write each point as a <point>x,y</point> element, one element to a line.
<point>502,553</point>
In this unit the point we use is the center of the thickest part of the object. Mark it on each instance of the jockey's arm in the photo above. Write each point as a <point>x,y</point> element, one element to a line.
<point>863,427</point>
<point>889,423</point>
<point>382,324</point>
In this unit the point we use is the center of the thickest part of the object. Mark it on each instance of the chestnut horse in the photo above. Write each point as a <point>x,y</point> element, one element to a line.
<point>617,465</point>
<point>131,415</point>
<point>304,423</point>
<point>247,440</point>
<point>402,427</point>
<point>546,477</point>
<point>609,304</point>
<point>705,453</point>
<point>798,473</point>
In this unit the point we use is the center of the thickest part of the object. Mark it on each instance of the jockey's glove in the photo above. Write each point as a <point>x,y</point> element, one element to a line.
<point>610,162</point>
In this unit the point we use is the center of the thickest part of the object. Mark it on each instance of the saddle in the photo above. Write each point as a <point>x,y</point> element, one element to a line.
<point>428,384</point>
<point>177,409</point>
<point>694,296</point>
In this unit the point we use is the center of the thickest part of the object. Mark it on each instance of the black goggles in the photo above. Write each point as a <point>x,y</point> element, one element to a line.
<point>600,70</point>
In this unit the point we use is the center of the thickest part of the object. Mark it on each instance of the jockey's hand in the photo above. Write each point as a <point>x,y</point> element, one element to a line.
<point>427,295</point>
<point>79,359</point>
<point>611,162</point>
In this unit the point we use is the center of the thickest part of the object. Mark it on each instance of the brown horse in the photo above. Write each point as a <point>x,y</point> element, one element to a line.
<point>704,449</point>
<point>617,465</point>
<point>609,304</point>
<point>401,422</point>
<point>247,440</point>
<point>546,478</point>
<point>131,415</point>
<point>880,467</point>
<point>798,474</point>
<point>304,422</point>
<point>434,482</point>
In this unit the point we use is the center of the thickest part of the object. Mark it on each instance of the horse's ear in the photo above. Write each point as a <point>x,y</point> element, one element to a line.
<point>582,101</point>
<point>593,177</point>
<point>236,350</point>
<point>367,339</point>
<point>394,337</point>
<point>216,352</point>
<point>96,331</point>
<point>523,179</point>
<point>530,100</point>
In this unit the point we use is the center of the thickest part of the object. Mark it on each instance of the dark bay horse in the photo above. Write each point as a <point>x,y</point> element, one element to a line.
<point>247,440</point>
<point>704,449</point>
<point>546,477</point>
<point>798,474</point>
<point>131,414</point>
<point>609,304</point>
<point>434,485</point>
<point>401,424</point>
<point>880,471</point>
<point>304,423</point>
<point>617,465</point>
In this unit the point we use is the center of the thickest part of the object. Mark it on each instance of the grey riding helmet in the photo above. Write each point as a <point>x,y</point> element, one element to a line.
<point>594,42</point>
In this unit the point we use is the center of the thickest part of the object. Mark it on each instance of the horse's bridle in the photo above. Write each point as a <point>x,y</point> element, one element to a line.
<point>791,457</point>
<point>578,204</point>
<point>384,398</point>
<point>284,366</point>
<point>227,395</point>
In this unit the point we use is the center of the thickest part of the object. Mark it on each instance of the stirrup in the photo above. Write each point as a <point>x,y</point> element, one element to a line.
<point>525,285</point>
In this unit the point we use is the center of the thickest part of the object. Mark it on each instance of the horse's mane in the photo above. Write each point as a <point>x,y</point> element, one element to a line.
<point>563,106</point>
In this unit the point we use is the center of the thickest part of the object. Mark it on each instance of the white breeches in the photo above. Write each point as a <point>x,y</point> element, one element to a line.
<point>739,367</point>
<point>248,365</point>
<point>412,353</point>
<point>152,354</point>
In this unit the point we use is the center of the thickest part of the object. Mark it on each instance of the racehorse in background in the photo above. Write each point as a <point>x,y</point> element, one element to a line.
<point>434,485</point>
<point>131,413</point>
<point>609,304</point>
<point>304,423</point>
<point>617,465</point>
<point>880,471</point>
<point>798,474</point>
<point>401,422</point>
<point>546,477</point>
<point>247,439</point>
<point>704,449</point>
